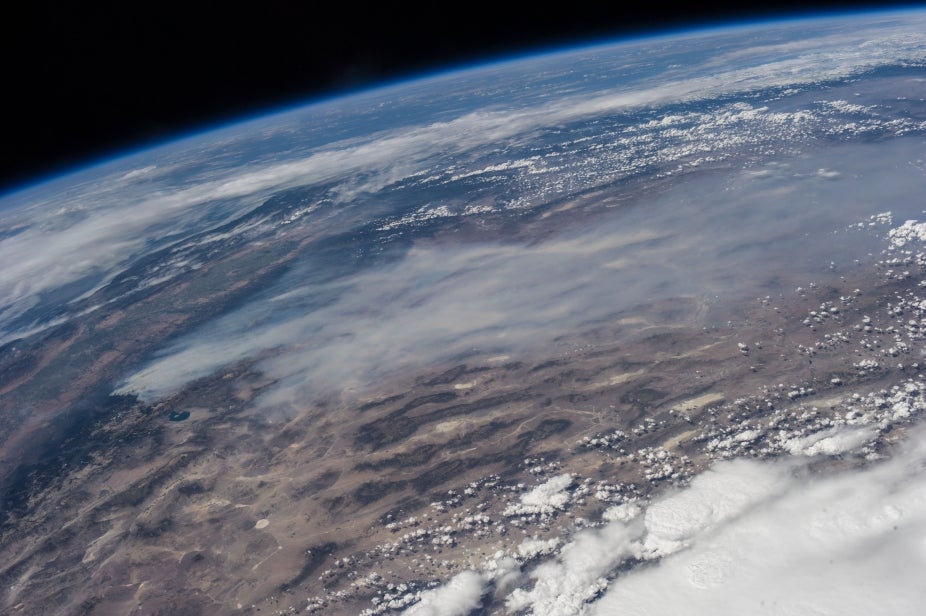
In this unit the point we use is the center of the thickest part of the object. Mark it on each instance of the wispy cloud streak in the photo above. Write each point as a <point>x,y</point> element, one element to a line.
<point>86,230</point>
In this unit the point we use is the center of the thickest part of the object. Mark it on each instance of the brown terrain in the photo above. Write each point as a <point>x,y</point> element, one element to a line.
<point>224,511</point>
<point>199,503</point>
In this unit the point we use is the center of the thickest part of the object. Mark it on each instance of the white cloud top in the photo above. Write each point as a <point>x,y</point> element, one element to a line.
<point>458,597</point>
<point>745,537</point>
<point>546,498</point>
<point>848,544</point>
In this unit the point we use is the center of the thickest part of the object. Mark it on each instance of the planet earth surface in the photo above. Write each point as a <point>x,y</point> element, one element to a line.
<point>634,328</point>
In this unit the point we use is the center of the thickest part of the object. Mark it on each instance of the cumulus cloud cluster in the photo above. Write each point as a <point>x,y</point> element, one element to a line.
<point>745,537</point>
<point>546,498</point>
<point>851,543</point>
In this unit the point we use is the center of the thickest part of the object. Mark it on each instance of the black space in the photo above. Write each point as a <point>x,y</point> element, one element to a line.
<point>84,81</point>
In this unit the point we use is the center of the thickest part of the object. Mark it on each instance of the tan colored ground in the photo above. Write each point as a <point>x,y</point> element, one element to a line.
<point>227,511</point>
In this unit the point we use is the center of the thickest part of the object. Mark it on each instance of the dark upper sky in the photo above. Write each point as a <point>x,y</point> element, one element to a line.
<point>87,80</point>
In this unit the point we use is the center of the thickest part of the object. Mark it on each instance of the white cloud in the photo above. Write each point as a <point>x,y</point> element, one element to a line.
<point>750,537</point>
<point>625,512</point>
<point>745,537</point>
<point>563,586</point>
<point>714,498</point>
<point>831,442</point>
<point>850,543</point>
<point>909,231</point>
<point>531,548</point>
<point>457,597</point>
<point>546,498</point>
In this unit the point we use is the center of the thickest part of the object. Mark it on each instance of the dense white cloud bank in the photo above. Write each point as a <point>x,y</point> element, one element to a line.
<point>745,537</point>
<point>853,543</point>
